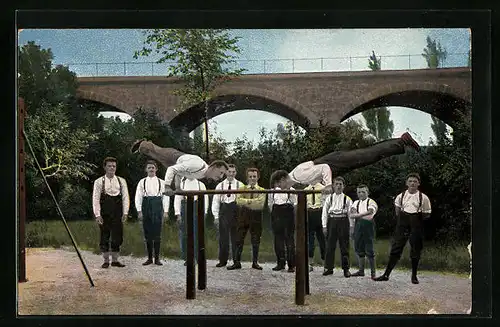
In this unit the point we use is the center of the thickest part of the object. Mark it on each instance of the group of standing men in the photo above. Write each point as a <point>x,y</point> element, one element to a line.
<point>333,217</point>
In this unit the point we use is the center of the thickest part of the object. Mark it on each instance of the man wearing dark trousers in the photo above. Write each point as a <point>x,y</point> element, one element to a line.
<point>336,224</point>
<point>411,208</point>
<point>363,211</point>
<point>110,202</point>
<point>152,207</point>
<point>282,207</point>
<point>249,217</point>
<point>343,161</point>
<point>224,210</point>
<point>314,208</point>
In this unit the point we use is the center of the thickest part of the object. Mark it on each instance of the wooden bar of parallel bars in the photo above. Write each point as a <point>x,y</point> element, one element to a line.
<point>202,261</point>
<point>300,274</point>
<point>306,245</point>
<point>21,192</point>
<point>190,269</point>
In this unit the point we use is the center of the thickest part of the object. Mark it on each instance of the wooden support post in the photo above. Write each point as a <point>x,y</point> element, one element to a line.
<point>190,270</point>
<point>300,275</point>
<point>306,247</point>
<point>202,261</point>
<point>21,192</point>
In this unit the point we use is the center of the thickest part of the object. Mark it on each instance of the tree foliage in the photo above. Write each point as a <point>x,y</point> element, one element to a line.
<point>434,54</point>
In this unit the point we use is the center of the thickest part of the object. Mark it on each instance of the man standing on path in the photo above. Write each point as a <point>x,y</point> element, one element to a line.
<point>363,211</point>
<point>152,207</point>
<point>412,207</point>
<point>224,210</point>
<point>180,164</point>
<point>336,224</point>
<point>249,217</point>
<point>110,202</point>
<point>343,161</point>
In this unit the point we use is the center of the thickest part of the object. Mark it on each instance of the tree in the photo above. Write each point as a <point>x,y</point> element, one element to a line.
<point>378,120</point>
<point>440,130</point>
<point>434,54</point>
<point>202,59</point>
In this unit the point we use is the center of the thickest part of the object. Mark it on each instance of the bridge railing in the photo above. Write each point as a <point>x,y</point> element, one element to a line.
<point>271,66</point>
<point>301,244</point>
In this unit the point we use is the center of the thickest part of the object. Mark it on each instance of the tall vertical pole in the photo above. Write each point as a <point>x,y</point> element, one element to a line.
<point>306,247</point>
<point>202,261</point>
<point>21,191</point>
<point>190,271</point>
<point>300,275</point>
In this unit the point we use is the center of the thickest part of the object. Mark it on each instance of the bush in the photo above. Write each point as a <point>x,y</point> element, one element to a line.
<point>75,202</point>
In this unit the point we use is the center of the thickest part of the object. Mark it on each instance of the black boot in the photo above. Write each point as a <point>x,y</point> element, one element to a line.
<point>237,260</point>
<point>279,266</point>
<point>390,266</point>
<point>157,253</point>
<point>414,268</point>
<point>149,247</point>
<point>255,256</point>
<point>361,270</point>
<point>345,266</point>
<point>371,261</point>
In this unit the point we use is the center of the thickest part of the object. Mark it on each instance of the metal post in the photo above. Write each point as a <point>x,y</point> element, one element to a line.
<point>350,63</point>
<point>264,66</point>
<point>321,64</point>
<point>409,64</point>
<point>293,65</point>
<point>202,261</point>
<point>124,69</point>
<point>152,69</point>
<point>306,247</point>
<point>96,69</point>
<point>21,192</point>
<point>190,272</point>
<point>300,275</point>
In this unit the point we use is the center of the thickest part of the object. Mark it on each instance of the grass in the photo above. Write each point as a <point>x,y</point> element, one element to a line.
<point>451,259</point>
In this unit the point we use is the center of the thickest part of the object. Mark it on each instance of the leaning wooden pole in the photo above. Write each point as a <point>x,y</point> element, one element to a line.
<point>306,247</point>
<point>202,260</point>
<point>300,272</point>
<point>21,199</point>
<point>190,270</point>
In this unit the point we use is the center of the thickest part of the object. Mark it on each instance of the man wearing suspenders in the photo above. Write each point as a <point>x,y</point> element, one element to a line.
<point>188,184</point>
<point>363,212</point>
<point>225,210</point>
<point>336,224</point>
<point>411,208</point>
<point>152,207</point>
<point>110,202</point>
<point>282,206</point>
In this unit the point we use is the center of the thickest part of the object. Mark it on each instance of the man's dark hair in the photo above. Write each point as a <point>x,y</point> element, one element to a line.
<point>414,175</point>
<point>231,166</point>
<point>277,176</point>
<point>339,178</point>
<point>219,163</point>
<point>253,169</point>
<point>152,162</point>
<point>108,159</point>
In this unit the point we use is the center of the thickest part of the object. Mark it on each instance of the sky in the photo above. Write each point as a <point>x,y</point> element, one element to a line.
<point>80,49</point>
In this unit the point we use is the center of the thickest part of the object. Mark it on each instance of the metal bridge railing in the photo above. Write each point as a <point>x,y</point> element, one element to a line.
<point>301,247</point>
<point>271,66</point>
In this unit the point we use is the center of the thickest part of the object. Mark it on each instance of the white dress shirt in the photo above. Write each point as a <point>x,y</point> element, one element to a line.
<point>334,204</point>
<point>224,198</point>
<point>189,185</point>
<point>154,187</point>
<point>189,166</point>
<point>281,198</point>
<point>411,202</point>
<point>307,173</point>
<point>364,205</point>
<point>112,188</point>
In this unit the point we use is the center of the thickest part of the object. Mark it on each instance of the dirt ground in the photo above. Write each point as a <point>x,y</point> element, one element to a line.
<point>57,285</point>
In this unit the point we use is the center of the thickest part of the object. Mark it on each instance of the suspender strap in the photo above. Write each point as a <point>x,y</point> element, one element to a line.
<point>119,183</point>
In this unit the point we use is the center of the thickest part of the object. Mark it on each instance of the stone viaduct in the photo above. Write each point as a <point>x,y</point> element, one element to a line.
<point>305,98</point>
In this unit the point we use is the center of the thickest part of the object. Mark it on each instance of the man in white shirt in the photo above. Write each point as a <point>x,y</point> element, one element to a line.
<point>315,228</point>
<point>110,202</point>
<point>188,184</point>
<point>282,207</point>
<point>180,164</point>
<point>225,210</point>
<point>363,212</point>
<point>344,161</point>
<point>336,225</point>
<point>411,208</point>
<point>152,207</point>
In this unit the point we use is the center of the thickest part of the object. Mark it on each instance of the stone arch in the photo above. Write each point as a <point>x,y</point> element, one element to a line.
<point>432,91</point>
<point>102,98</point>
